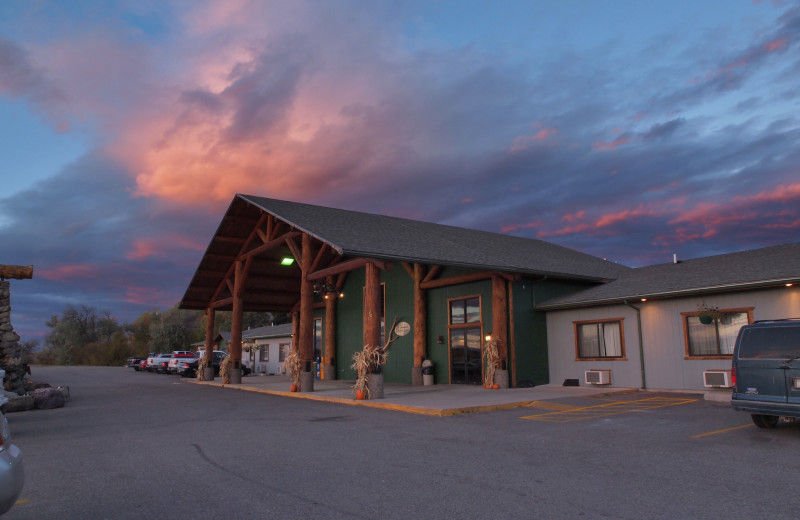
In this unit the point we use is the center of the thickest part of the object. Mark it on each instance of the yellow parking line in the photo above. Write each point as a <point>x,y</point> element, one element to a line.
<point>550,405</point>
<point>721,431</point>
<point>603,410</point>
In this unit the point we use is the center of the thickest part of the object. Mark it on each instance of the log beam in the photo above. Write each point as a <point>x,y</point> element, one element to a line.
<point>16,272</point>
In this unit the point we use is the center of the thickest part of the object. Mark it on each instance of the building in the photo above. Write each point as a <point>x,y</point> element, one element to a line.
<point>555,313</point>
<point>646,329</point>
<point>345,275</point>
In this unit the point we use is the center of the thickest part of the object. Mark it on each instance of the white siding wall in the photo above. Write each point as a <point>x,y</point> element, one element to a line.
<point>663,338</point>
<point>273,366</point>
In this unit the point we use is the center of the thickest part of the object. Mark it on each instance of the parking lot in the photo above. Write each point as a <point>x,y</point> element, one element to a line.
<point>135,445</point>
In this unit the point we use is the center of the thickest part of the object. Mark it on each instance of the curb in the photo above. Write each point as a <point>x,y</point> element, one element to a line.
<point>418,410</point>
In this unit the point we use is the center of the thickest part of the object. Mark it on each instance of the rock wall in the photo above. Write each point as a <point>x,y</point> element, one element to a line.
<point>10,350</point>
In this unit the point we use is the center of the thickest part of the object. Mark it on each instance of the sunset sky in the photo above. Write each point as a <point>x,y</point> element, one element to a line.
<point>629,130</point>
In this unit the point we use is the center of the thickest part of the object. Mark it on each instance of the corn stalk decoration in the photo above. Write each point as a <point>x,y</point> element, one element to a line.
<point>369,360</point>
<point>225,370</point>
<point>201,368</point>
<point>491,358</point>
<point>291,365</point>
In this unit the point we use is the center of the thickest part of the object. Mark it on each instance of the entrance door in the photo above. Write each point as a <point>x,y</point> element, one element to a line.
<point>465,355</point>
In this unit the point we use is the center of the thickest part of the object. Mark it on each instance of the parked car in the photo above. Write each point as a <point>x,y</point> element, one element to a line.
<point>12,472</point>
<point>765,373</point>
<point>158,363</point>
<point>179,356</point>
<point>135,362</point>
<point>189,368</point>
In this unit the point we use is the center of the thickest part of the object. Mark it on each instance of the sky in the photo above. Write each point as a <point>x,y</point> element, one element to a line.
<point>628,130</point>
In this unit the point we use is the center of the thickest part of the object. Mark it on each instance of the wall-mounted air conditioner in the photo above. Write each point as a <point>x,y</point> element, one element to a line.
<point>717,379</point>
<point>598,377</point>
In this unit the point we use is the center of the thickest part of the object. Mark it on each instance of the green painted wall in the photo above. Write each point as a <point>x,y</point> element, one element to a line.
<point>530,327</point>
<point>399,301</point>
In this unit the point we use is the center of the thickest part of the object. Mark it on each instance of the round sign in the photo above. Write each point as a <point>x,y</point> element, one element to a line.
<point>402,328</point>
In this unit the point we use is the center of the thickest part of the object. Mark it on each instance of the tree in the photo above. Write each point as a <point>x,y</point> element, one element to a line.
<point>175,329</point>
<point>72,333</point>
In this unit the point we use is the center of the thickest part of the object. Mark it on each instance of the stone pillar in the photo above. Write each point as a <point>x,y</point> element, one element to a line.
<point>10,350</point>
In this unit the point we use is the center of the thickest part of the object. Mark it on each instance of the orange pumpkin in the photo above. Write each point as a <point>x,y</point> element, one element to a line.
<point>496,386</point>
<point>361,394</point>
<point>293,388</point>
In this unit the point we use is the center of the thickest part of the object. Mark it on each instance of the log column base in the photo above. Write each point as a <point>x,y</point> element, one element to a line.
<point>306,381</point>
<point>208,374</point>
<point>501,378</point>
<point>330,372</point>
<point>236,376</point>
<point>416,376</point>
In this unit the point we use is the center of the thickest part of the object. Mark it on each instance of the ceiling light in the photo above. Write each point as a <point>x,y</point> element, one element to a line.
<point>287,260</point>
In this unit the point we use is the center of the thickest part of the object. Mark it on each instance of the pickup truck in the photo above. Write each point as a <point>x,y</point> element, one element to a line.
<point>179,356</point>
<point>158,362</point>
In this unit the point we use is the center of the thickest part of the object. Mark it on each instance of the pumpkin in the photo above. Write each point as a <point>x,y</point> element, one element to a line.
<point>361,394</point>
<point>293,388</point>
<point>496,386</point>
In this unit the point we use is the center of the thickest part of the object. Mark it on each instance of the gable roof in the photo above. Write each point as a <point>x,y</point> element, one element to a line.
<point>352,234</point>
<point>357,234</point>
<point>753,269</point>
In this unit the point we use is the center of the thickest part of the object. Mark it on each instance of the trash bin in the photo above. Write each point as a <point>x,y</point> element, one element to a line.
<point>427,372</point>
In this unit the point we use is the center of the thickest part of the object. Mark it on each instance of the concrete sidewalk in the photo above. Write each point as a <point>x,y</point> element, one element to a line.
<point>438,400</point>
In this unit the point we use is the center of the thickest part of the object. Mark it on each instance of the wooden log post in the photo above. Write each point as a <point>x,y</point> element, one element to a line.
<point>208,371</point>
<point>500,328</point>
<point>235,347</point>
<point>16,272</point>
<point>420,325</point>
<point>372,325</point>
<point>306,326</point>
<point>329,363</point>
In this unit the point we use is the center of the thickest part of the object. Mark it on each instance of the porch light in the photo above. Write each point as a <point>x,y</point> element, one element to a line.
<point>644,299</point>
<point>287,260</point>
<point>488,337</point>
<point>789,285</point>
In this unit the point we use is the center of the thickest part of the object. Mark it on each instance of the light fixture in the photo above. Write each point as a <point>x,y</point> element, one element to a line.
<point>644,299</point>
<point>789,285</point>
<point>325,289</point>
<point>287,260</point>
<point>488,337</point>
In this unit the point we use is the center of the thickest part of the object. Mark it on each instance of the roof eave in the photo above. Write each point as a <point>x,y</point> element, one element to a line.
<point>669,294</point>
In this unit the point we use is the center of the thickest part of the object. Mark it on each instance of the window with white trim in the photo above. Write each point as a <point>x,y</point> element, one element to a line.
<point>602,339</point>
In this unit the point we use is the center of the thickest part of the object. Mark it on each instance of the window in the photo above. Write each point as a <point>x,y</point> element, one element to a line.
<point>282,350</point>
<point>264,354</point>
<point>602,339</point>
<point>464,311</point>
<point>716,338</point>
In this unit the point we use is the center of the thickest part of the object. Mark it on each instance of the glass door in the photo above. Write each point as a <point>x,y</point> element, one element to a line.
<point>465,355</point>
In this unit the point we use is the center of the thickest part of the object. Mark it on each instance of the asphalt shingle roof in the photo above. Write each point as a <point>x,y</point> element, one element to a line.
<point>357,234</point>
<point>747,269</point>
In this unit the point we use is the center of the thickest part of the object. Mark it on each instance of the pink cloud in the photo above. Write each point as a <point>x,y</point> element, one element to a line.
<point>774,45</point>
<point>571,217</point>
<point>605,146</point>
<point>467,200</point>
<point>68,272</point>
<point>524,141</point>
<point>163,246</point>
